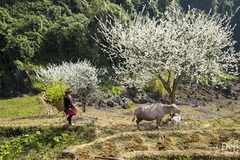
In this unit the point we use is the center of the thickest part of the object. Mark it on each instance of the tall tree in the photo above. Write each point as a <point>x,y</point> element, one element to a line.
<point>194,44</point>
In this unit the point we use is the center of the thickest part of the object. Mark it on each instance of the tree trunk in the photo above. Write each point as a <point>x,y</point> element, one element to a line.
<point>167,85</point>
<point>172,97</point>
<point>84,105</point>
<point>176,82</point>
<point>85,100</point>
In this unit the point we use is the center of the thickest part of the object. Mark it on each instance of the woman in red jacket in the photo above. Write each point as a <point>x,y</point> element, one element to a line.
<point>70,110</point>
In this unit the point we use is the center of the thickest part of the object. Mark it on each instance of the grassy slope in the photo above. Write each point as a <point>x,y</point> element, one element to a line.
<point>113,134</point>
<point>20,107</point>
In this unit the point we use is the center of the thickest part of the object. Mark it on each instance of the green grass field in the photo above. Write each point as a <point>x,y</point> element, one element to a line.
<point>20,107</point>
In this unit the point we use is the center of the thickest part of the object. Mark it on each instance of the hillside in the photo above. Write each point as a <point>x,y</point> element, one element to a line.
<point>36,33</point>
<point>209,131</point>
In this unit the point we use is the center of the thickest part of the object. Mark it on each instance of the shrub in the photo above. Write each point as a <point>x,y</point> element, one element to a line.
<point>82,77</point>
<point>111,89</point>
<point>79,75</point>
<point>38,87</point>
<point>129,104</point>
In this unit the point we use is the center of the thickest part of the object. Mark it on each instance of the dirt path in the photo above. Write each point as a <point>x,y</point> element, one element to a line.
<point>117,117</point>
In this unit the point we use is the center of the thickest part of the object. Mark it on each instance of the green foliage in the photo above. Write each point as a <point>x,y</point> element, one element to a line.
<point>19,47</point>
<point>236,118</point>
<point>77,6</point>
<point>110,89</point>
<point>185,158</point>
<point>195,122</point>
<point>55,90</point>
<point>225,83</point>
<point>203,5</point>
<point>127,5</point>
<point>38,87</point>
<point>151,6</point>
<point>31,143</point>
<point>19,65</point>
<point>37,30</point>
<point>129,104</point>
<point>230,77</point>
<point>20,107</point>
<point>106,130</point>
<point>47,31</point>
<point>155,86</point>
<point>71,32</point>
<point>103,8</point>
<point>222,122</point>
<point>218,121</point>
<point>229,87</point>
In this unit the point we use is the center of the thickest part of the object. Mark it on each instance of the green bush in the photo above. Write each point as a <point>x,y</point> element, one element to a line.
<point>111,89</point>
<point>38,87</point>
<point>129,104</point>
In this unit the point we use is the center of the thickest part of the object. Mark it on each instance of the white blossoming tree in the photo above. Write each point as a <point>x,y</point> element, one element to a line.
<point>192,44</point>
<point>82,77</point>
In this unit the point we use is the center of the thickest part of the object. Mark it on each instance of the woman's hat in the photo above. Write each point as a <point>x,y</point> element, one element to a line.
<point>68,90</point>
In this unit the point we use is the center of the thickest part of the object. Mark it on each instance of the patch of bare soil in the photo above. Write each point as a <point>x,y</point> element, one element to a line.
<point>203,95</point>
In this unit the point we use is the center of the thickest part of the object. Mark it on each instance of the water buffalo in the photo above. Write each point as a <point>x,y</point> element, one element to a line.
<point>154,111</point>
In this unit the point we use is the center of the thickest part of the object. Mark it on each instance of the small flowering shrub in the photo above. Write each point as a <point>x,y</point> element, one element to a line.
<point>80,76</point>
<point>55,91</point>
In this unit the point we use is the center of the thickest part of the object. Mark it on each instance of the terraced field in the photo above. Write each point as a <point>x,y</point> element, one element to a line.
<point>203,135</point>
<point>209,131</point>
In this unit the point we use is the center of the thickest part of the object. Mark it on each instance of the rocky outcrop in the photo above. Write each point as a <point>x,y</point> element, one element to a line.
<point>15,83</point>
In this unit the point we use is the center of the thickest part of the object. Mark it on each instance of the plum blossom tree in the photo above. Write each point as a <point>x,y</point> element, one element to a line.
<point>171,47</point>
<point>81,76</point>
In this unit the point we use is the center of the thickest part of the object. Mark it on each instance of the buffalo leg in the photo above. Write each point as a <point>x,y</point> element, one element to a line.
<point>138,121</point>
<point>170,125</point>
<point>158,123</point>
<point>178,125</point>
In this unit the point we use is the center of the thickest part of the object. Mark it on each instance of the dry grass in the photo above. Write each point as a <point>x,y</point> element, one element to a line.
<point>205,133</point>
<point>209,132</point>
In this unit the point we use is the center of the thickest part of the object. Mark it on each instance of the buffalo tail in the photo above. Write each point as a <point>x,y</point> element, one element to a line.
<point>134,116</point>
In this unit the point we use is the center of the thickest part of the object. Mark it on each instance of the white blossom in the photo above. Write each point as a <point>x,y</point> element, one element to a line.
<point>79,75</point>
<point>193,43</point>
